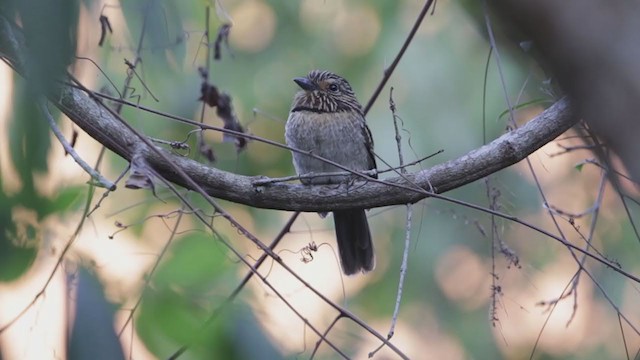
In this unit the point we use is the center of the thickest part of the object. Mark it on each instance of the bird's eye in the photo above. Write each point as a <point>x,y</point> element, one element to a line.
<point>333,87</point>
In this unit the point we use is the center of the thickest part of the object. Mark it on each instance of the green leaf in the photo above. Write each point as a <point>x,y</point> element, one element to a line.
<point>191,283</point>
<point>29,136</point>
<point>50,29</point>
<point>16,256</point>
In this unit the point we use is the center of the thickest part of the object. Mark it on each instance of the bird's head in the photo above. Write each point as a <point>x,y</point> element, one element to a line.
<point>324,92</point>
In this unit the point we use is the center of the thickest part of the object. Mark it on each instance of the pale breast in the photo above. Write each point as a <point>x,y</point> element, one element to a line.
<point>339,137</point>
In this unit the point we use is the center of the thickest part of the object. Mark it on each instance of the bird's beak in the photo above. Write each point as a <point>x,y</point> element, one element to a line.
<point>305,84</point>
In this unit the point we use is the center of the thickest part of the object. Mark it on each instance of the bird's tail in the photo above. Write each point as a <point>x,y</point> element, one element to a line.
<point>354,241</point>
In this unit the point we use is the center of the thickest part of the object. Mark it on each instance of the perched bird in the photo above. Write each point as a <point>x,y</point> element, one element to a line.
<point>327,120</point>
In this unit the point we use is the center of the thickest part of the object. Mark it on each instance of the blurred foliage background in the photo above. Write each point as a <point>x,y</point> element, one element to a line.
<point>134,246</point>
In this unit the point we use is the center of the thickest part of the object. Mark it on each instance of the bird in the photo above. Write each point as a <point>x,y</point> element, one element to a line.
<point>327,120</point>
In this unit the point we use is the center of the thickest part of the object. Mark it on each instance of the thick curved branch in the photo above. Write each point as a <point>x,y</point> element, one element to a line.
<point>90,115</point>
<point>507,150</point>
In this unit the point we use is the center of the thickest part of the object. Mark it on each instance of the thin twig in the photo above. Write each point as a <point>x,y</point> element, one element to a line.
<point>326,332</point>
<point>392,107</point>
<point>205,78</point>
<point>269,181</point>
<point>407,240</point>
<point>155,265</point>
<point>573,289</point>
<point>389,70</point>
<point>100,180</point>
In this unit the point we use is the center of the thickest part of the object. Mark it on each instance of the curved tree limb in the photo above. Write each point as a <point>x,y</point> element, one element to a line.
<point>505,151</point>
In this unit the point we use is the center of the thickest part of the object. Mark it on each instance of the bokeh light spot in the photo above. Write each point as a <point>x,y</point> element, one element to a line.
<point>356,30</point>
<point>254,26</point>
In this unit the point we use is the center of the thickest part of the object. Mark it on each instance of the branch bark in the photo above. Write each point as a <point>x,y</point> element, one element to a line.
<point>507,150</point>
<point>90,115</point>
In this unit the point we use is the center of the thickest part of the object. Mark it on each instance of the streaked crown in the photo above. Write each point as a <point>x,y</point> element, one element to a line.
<point>324,92</point>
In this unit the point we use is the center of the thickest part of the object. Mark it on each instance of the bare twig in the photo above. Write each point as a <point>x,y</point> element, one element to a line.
<point>407,242</point>
<point>100,180</point>
<point>268,181</point>
<point>389,70</point>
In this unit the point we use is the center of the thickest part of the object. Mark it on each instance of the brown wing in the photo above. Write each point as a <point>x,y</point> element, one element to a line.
<point>368,142</point>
